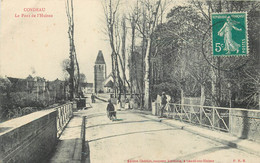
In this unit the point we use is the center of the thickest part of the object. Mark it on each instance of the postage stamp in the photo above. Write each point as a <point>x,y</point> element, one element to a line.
<point>229,34</point>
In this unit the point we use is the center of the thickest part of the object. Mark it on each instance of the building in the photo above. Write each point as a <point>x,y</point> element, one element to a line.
<point>30,84</point>
<point>58,89</point>
<point>36,84</point>
<point>109,84</point>
<point>99,73</point>
<point>86,87</point>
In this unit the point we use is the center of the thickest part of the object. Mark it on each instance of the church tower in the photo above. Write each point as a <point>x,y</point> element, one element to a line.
<point>100,73</point>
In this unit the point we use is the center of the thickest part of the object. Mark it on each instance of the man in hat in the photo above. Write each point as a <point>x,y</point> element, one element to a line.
<point>163,103</point>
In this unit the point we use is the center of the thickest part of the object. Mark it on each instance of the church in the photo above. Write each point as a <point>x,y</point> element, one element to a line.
<point>102,82</point>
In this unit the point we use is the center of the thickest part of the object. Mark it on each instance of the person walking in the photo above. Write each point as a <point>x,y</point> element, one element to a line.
<point>163,103</point>
<point>93,98</point>
<point>127,103</point>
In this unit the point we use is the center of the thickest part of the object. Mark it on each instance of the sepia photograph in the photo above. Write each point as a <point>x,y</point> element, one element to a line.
<point>130,81</point>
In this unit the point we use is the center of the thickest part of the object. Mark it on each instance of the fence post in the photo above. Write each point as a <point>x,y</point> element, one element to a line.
<point>230,120</point>
<point>190,109</point>
<point>201,107</point>
<point>67,111</point>
<point>213,118</point>
<point>157,109</point>
<point>174,112</point>
<point>181,111</point>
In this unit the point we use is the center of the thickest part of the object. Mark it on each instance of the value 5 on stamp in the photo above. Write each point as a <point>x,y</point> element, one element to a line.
<point>229,34</point>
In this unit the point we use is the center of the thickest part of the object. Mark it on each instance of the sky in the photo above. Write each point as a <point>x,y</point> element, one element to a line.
<point>40,44</point>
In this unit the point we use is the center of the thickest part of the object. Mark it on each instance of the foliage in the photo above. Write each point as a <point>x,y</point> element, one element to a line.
<point>15,103</point>
<point>177,56</point>
<point>20,103</point>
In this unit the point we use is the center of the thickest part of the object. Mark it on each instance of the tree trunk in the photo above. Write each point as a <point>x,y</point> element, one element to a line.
<point>113,73</point>
<point>142,72</point>
<point>147,98</point>
<point>202,95</point>
<point>71,83</point>
<point>213,86</point>
<point>132,53</point>
<point>123,55</point>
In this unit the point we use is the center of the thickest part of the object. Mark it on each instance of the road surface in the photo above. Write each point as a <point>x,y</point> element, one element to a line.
<point>135,138</point>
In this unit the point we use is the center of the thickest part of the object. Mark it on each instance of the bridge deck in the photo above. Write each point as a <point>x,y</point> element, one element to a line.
<point>137,136</point>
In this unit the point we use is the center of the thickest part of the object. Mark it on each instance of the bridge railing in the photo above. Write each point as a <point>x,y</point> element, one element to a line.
<point>212,117</point>
<point>244,123</point>
<point>64,113</point>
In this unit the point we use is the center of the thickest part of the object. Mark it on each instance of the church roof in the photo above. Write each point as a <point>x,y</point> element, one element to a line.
<point>100,58</point>
<point>109,84</point>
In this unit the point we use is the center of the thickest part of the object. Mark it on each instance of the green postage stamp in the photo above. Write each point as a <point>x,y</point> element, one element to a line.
<point>229,34</point>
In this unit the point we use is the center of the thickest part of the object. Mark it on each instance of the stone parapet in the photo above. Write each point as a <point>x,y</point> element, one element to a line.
<point>29,138</point>
<point>245,123</point>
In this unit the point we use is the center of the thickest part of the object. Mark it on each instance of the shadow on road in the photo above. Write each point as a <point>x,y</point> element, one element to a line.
<point>86,153</point>
<point>130,133</point>
<point>201,153</point>
<point>95,115</point>
<point>120,122</point>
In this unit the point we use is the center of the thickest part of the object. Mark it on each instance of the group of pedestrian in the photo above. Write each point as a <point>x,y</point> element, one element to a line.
<point>111,111</point>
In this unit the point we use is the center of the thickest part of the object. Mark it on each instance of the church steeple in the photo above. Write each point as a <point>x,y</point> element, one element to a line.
<point>100,58</point>
<point>100,72</point>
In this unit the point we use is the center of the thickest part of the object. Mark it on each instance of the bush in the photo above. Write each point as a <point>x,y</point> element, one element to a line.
<point>22,103</point>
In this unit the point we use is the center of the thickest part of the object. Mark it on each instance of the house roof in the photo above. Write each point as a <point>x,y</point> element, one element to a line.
<point>13,80</point>
<point>88,85</point>
<point>108,78</point>
<point>100,58</point>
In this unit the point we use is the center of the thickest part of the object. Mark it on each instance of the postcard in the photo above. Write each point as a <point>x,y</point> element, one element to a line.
<point>126,81</point>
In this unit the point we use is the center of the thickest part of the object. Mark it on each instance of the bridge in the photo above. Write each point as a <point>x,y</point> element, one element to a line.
<point>187,133</point>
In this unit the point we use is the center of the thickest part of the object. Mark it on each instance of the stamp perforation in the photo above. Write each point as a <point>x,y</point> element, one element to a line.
<point>226,15</point>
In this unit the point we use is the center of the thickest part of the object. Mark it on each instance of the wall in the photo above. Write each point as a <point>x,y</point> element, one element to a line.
<point>29,138</point>
<point>245,124</point>
<point>99,72</point>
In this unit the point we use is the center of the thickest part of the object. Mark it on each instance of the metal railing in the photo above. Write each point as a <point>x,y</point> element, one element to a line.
<point>64,113</point>
<point>213,117</point>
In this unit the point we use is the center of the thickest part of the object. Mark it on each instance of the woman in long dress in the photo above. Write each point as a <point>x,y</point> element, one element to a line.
<point>226,30</point>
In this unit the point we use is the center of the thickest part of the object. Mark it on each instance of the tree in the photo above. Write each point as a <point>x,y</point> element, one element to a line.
<point>117,39</point>
<point>227,70</point>
<point>176,54</point>
<point>150,15</point>
<point>133,19</point>
<point>82,78</point>
<point>177,44</point>
<point>74,65</point>
<point>65,66</point>
<point>111,15</point>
